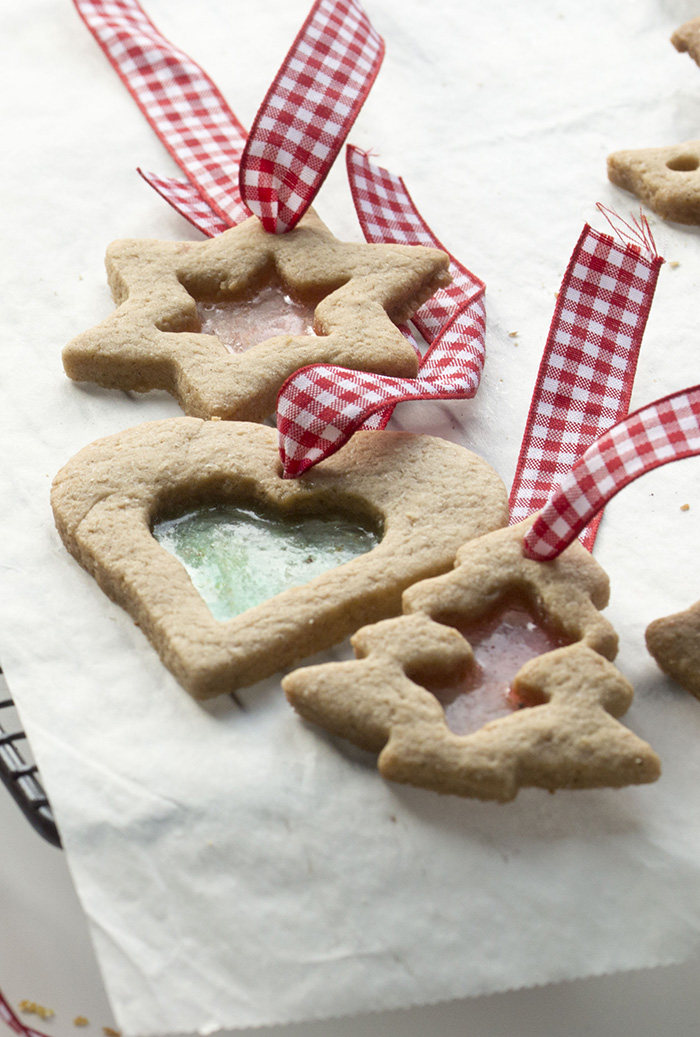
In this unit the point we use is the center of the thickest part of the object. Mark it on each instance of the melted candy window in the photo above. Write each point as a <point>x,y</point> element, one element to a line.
<point>502,642</point>
<point>242,323</point>
<point>239,557</point>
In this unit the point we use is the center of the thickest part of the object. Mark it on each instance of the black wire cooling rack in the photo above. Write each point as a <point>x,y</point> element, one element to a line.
<point>19,772</point>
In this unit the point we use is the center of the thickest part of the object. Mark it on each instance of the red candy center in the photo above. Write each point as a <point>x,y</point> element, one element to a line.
<point>502,642</point>
<point>240,324</point>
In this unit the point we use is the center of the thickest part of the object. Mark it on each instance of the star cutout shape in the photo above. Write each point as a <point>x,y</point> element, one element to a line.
<point>566,735</point>
<point>359,292</point>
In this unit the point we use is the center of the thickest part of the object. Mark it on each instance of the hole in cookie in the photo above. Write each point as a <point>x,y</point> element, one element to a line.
<point>502,641</point>
<point>683,163</point>
<point>241,323</point>
<point>237,557</point>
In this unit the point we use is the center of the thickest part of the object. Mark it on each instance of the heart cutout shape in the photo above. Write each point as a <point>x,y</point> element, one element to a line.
<point>426,495</point>
<point>238,557</point>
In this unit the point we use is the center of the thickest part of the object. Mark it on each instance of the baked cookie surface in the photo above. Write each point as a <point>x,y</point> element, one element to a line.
<point>424,495</point>
<point>667,179</point>
<point>674,642</point>
<point>686,39</point>
<point>561,728</point>
<point>355,294</point>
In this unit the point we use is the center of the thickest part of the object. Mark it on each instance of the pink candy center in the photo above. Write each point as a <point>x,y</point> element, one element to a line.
<point>502,642</point>
<point>240,324</point>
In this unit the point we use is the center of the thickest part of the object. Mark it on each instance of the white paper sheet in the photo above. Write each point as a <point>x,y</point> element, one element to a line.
<point>239,868</point>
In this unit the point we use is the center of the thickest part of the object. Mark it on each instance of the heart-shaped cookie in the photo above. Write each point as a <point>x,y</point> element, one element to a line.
<point>423,495</point>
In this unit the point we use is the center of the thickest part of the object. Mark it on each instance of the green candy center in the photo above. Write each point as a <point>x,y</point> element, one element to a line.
<point>238,557</point>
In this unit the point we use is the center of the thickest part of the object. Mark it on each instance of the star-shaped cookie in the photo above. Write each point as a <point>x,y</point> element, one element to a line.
<point>357,294</point>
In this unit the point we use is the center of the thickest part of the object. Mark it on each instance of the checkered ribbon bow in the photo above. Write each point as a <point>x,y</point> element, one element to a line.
<point>276,172</point>
<point>320,407</point>
<point>590,358</point>
<point>308,111</point>
<point>664,431</point>
<point>299,129</point>
<point>184,107</point>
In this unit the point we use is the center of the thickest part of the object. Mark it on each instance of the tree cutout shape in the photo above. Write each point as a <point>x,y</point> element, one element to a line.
<point>674,642</point>
<point>425,496</point>
<point>360,292</point>
<point>566,735</point>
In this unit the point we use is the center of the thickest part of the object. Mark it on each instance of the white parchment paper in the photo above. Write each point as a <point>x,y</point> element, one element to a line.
<point>237,867</point>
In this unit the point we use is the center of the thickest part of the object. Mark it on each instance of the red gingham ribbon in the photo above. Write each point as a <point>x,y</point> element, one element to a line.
<point>387,214</point>
<point>181,103</point>
<point>321,406</point>
<point>587,370</point>
<point>297,132</point>
<point>14,1022</point>
<point>187,200</point>
<point>296,135</point>
<point>664,431</point>
<point>308,111</point>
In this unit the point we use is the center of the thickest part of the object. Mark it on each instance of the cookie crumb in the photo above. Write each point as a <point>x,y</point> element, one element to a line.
<point>109,1032</point>
<point>674,264</point>
<point>215,417</point>
<point>32,1008</point>
<point>685,507</point>
<point>80,1020</point>
<point>513,334</point>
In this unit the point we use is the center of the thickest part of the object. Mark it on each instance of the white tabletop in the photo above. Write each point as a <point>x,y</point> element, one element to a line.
<point>46,956</point>
<point>525,171</point>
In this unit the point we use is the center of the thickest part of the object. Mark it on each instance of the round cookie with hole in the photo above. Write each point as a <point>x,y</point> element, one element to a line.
<point>666,179</point>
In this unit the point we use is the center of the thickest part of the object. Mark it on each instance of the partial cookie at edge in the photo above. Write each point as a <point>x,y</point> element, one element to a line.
<point>667,179</point>
<point>674,642</point>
